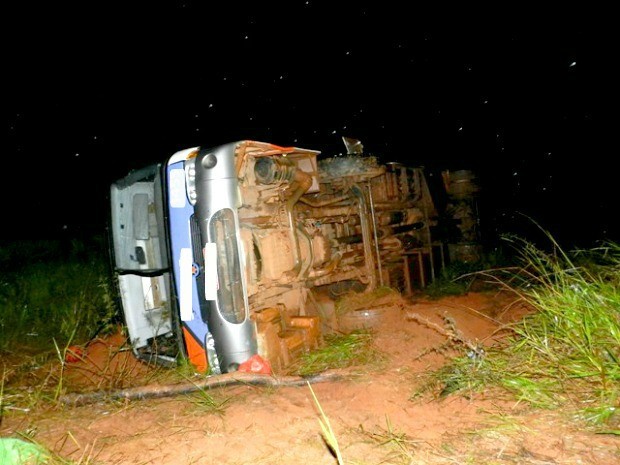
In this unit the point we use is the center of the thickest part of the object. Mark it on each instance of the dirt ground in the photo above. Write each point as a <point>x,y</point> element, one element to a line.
<point>372,410</point>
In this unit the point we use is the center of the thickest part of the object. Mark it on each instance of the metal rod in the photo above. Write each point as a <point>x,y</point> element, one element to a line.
<point>374,228</point>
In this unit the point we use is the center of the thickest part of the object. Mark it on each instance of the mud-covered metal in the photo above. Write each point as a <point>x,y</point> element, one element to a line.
<point>258,236</point>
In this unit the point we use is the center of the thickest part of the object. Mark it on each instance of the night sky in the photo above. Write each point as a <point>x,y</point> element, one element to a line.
<point>525,100</point>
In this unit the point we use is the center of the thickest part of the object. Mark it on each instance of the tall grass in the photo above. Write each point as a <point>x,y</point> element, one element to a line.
<point>52,294</point>
<point>567,352</point>
<point>459,277</point>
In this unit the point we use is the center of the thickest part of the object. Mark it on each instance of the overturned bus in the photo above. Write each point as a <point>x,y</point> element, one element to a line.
<point>222,253</point>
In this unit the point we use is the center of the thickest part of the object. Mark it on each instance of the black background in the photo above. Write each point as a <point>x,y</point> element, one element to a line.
<point>525,98</point>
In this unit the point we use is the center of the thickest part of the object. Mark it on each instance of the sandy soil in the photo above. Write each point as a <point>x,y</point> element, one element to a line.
<point>372,409</point>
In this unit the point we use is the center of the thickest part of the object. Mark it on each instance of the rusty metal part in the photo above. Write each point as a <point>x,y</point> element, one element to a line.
<point>342,230</point>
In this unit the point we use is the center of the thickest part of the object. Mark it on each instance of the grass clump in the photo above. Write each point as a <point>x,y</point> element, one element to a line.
<point>339,351</point>
<point>454,279</point>
<point>567,352</point>
<point>459,277</point>
<point>208,403</point>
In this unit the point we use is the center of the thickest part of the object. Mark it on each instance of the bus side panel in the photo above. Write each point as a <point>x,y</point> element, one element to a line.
<point>145,306</point>
<point>187,266</point>
<point>140,264</point>
<point>227,309</point>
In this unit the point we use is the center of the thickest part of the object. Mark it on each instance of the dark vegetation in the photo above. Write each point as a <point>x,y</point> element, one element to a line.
<point>54,293</point>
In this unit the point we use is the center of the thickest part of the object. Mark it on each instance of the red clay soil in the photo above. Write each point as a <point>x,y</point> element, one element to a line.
<point>374,414</point>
